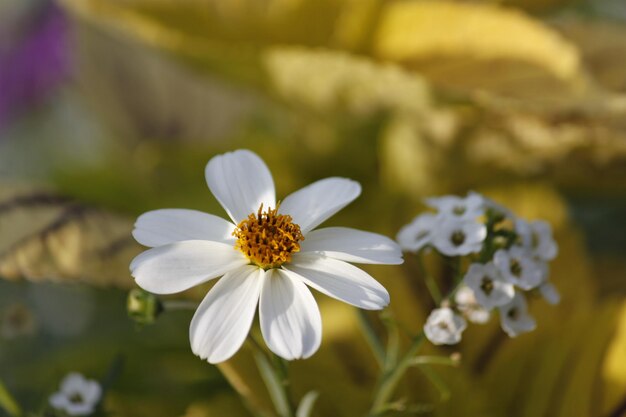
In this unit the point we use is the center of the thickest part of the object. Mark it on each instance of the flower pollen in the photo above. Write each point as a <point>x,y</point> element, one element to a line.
<point>76,398</point>
<point>268,239</point>
<point>516,268</point>
<point>487,285</point>
<point>458,238</point>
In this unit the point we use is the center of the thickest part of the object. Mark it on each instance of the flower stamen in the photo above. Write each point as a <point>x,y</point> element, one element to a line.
<point>268,239</point>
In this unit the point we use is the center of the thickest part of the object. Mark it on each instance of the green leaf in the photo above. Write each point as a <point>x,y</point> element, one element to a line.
<point>306,404</point>
<point>274,383</point>
<point>8,403</point>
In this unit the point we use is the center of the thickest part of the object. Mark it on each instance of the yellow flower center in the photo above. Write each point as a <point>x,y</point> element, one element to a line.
<point>268,239</point>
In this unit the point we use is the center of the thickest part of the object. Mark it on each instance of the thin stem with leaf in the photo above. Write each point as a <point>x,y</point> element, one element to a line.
<point>392,375</point>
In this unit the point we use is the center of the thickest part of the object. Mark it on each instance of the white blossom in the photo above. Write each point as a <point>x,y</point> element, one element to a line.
<point>451,206</point>
<point>417,234</point>
<point>458,237</point>
<point>267,255</point>
<point>489,287</point>
<point>78,396</point>
<point>468,305</point>
<point>444,327</point>
<point>537,237</point>
<point>549,293</point>
<point>514,317</point>
<point>519,268</point>
<point>496,207</point>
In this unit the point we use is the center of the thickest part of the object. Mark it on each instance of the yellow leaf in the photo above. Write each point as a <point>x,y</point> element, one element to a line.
<point>328,80</point>
<point>477,45</point>
<point>614,369</point>
<point>603,49</point>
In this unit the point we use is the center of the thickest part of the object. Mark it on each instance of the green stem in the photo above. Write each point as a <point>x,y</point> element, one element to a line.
<point>435,379</point>
<point>274,373</point>
<point>434,360</point>
<point>283,371</point>
<point>393,345</point>
<point>430,282</point>
<point>373,340</point>
<point>391,378</point>
<point>8,402</point>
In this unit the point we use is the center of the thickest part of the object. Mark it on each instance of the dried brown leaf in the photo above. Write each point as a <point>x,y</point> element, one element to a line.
<point>47,237</point>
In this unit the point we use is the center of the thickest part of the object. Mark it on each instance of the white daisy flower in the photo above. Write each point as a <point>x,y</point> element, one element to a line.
<point>417,234</point>
<point>458,237</point>
<point>549,293</point>
<point>519,268</point>
<point>451,206</point>
<point>78,396</point>
<point>537,237</point>
<point>514,317</point>
<point>468,305</point>
<point>444,327</point>
<point>489,287</point>
<point>267,255</point>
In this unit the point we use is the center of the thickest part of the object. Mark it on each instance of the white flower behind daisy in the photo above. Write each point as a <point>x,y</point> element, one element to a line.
<point>416,235</point>
<point>444,326</point>
<point>488,286</point>
<point>514,317</point>
<point>77,396</point>
<point>519,268</point>
<point>460,208</point>
<point>459,237</point>
<point>267,256</point>
<point>537,237</point>
<point>549,293</point>
<point>494,255</point>
<point>467,304</point>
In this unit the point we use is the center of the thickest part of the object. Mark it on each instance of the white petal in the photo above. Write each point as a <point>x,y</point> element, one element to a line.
<point>444,327</point>
<point>514,317</point>
<point>223,319</point>
<point>59,400</point>
<point>162,227</point>
<point>290,319</point>
<point>340,280</point>
<point>179,266</point>
<point>478,315</point>
<point>79,409</point>
<point>550,293</point>
<point>353,245</point>
<point>417,234</point>
<point>241,182</point>
<point>489,287</point>
<point>316,202</point>
<point>473,235</point>
<point>92,392</point>
<point>73,382</point>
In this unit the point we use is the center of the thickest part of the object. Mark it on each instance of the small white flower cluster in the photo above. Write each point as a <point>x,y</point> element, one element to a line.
<point>507,256</point>
<point>453,230</point>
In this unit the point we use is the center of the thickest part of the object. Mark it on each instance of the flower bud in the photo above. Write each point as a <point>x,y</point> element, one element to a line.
<point>142,306</point>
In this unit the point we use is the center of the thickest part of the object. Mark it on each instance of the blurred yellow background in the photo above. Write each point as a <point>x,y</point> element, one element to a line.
<point>522,100</point>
